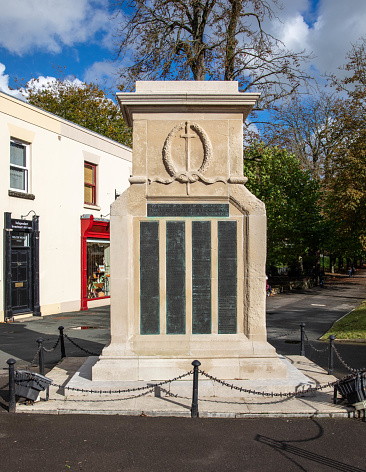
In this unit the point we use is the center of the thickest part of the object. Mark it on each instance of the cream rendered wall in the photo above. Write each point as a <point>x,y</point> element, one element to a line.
<point>58,152</point>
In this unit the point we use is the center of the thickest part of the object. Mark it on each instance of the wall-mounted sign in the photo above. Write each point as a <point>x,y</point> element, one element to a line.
<point>21,225</point>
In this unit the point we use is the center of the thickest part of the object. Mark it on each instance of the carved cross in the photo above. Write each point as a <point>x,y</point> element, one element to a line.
<point>187,136</point>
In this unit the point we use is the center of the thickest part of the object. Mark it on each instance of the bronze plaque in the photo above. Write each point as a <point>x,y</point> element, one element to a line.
<point>18,284</point>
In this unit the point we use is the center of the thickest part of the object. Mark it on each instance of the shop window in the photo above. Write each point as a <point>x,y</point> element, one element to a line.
<point>90,187</point>
<point>19,166</point>
<point>98,268</point>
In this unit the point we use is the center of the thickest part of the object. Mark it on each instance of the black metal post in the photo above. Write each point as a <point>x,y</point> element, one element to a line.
<point>7,267</point>
<point>35,265</point>
<point>194,408</point>
<point>12,402</point>
<point>40,356</point>
<point>331,354</point>
<point>302,345</point>
<point>62,342</point>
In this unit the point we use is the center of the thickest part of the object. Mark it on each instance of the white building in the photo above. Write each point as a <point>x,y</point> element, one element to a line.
<point>57,181</point>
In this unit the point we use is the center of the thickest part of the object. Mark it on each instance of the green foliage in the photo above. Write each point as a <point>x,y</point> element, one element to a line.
<point>291,197</point>
<point>84,104</point>
<point>345,201</point>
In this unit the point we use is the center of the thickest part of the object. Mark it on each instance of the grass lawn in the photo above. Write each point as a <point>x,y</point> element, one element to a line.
<point>352,326</point>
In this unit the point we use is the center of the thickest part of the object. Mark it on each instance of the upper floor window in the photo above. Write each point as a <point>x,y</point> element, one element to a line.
<point>90,188</point>
<point>19,166</point>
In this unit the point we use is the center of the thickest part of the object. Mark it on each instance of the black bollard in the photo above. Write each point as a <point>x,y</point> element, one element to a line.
<point>12,402</point>
<point>62,342</point>
<point>302,344</point>
<point>194,408</point>
<point>331,354</point>
<point>40,356</point>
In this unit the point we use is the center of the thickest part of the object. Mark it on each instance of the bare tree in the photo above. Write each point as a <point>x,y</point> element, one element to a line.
<point>205,40</point>
<point>307,127</point>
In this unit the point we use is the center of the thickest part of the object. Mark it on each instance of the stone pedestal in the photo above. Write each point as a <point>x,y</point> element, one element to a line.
<point>188,241</point>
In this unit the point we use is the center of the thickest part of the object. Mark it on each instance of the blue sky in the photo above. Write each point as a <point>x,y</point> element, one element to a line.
<point>38,35</point>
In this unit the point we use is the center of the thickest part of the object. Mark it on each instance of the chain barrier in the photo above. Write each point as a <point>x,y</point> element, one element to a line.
<point>33,362</point>
<point>112,392</point>
<point>345,364</point>
<point>52,348</point>
<point>132,397</point>
<point>267,394</point>
<point>174,395</point>
<point>79,347</point>
<point>150,388</point>
<point>284,335</point>
<point>313,347</point>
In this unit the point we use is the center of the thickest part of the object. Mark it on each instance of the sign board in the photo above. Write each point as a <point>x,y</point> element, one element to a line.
<point>21,225</point>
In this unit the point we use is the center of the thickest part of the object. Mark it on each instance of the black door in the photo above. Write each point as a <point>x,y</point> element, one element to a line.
<point>21,293</point>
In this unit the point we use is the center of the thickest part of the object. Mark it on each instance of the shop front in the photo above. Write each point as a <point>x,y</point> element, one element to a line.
<point>95,260</point>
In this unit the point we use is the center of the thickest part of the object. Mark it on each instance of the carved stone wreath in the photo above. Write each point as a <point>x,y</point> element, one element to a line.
<point>188,176</point>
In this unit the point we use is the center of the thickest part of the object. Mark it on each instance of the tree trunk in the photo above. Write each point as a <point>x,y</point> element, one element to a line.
<point>231,41</point>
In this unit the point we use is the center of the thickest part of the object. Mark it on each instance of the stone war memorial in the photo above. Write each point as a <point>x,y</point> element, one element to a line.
<point>188,242</point>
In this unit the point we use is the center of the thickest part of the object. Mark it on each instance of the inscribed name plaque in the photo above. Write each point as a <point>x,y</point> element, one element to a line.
<point>175,279</point>
<point>149,277</point>
<point>201,277</point>
<point>227,258</point>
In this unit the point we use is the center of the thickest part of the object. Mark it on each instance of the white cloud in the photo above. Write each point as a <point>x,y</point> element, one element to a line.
<point>4,84</point>
<point>102,72</point>
<point>334,26</point>
<point>294,33</point>
<point>26,25</point>
<point>340,24</point>
<point>47,82</point>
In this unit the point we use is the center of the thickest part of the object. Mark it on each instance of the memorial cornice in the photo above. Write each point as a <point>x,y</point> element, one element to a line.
<point>195,102</point>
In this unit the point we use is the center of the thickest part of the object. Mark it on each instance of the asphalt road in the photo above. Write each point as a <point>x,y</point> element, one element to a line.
<point>110,443</point>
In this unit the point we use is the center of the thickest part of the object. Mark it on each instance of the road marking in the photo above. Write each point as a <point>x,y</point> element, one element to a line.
<point>316,304</point>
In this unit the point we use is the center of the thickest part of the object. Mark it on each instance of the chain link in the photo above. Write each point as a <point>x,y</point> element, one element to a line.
<point>267,394</point>
<point>312,345</point>
<point>132,397</point>
<point>33,363</point>
<point>135,389</point>
<point>174,395</point>
<point>128,390</point>
<point>79,347</point>
<point>54,347</point>
<point>345,364</point>
<point>284,335</point>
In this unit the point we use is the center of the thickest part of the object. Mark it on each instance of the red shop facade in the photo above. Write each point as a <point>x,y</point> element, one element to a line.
<point>95,259</point>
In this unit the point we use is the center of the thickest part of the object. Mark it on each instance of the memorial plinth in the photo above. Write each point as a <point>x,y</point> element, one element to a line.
<point>188,241</point>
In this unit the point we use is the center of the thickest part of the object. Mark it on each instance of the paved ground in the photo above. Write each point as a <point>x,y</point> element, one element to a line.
<point>46,443</point>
